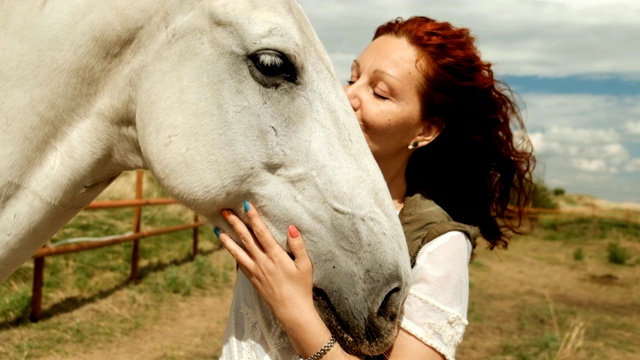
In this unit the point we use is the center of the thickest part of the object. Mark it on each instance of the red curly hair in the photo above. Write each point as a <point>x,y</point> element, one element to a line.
<point>475,168</point>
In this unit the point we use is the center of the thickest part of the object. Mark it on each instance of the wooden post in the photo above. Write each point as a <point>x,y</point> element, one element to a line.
<point>195,236</point>
<point>36,292</point>
<point>137,218</point>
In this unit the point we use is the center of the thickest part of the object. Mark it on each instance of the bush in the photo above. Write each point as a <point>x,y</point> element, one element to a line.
<point>578,254</point>
<point>617,254</point>
<point>541,196</point>
<point>175,282</point>
<point>558,191</point>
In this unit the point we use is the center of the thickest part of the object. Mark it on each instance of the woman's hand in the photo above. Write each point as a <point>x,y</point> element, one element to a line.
<point>284,284</point>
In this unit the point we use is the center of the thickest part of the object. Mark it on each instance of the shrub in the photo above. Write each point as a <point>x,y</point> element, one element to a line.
<point>175,282</point>
<point>541,196</point>
<point>558,191</point>
<point>578,254</point>
<point>617,254</point>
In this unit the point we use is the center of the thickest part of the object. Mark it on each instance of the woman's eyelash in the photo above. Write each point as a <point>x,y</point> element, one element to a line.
<point>381,97</point>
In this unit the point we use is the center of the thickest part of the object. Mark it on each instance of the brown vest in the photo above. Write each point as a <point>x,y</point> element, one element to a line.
<point>422,221</point>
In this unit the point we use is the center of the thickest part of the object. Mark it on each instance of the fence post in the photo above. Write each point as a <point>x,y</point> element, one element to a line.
<point>137,217</point>
<point>36,292</point>
<point>195,236</point>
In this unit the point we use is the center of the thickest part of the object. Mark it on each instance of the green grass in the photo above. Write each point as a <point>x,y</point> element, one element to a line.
<point>557,293</point>
<point>73,279</point>
<point>617,254</point>
<point>78,280</point>
<point>576,229</point>
<point>85,275</point>
<point>505,310</point>
<point>167,273</point>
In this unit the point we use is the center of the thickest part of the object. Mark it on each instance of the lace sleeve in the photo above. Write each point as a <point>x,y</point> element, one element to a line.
<point>436,309</point>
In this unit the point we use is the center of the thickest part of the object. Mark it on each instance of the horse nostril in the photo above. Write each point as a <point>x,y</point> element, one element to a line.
<point>390,306</point>
<point>383,322</point>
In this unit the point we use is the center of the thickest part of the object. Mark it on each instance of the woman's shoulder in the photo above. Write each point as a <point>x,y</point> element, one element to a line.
<point>423,221</point>
<point>420,208</point>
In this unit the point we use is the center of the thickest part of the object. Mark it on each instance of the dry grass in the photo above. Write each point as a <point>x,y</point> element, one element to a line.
<point>147,321</point>
<point>538,300</point>
<point>535,301</point>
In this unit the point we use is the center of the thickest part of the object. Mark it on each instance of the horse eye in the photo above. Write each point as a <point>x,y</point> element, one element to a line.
<point>271,68</point>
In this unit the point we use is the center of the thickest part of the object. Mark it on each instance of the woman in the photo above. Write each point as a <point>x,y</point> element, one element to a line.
<point>442,130</point>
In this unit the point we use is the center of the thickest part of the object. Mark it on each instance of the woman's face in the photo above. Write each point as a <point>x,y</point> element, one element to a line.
<point>385,93</point>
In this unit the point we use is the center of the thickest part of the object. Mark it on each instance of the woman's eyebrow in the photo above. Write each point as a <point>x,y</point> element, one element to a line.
<point>378,71</point>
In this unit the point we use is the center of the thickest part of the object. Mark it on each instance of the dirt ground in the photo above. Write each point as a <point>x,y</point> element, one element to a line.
<point>523,302</point>
<point>185,333</point>
<point>509,290</point>
<point>193,329</point>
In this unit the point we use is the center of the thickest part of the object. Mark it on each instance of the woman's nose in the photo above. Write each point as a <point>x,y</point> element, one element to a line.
<point>350,90</point>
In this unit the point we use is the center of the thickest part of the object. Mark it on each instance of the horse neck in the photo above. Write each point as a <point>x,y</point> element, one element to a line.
<point>67,117</point>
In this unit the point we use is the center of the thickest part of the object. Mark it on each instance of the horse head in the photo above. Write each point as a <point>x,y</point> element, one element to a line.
<point>224,101</point>
<point>235,108</point>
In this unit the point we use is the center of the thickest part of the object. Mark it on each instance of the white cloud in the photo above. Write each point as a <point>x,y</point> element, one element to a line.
<point>569,136</point>
<point>583,142</point>
<point>537,139</point>
<point>633,128</point>
<point>525,37</point>
<point>633,165</point>
<point>590,165</point>
<point>583,111</point>
<point>588,150</point>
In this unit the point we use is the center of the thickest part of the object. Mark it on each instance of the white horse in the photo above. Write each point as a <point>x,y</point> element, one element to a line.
<point>224,101</point>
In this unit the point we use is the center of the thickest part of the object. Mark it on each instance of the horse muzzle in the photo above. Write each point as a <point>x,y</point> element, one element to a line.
<point>370,334</point>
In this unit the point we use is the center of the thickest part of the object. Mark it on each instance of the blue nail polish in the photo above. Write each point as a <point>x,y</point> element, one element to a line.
<point>246,206</point>
<point>216,231</point>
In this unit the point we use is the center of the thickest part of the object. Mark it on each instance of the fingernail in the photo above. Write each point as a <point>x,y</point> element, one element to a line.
<point>225,214</point>
<point>216,231</point>
<point>246,206</point>
<point>293,231</point>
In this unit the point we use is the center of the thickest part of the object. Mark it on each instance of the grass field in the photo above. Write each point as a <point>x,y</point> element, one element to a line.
<point>568,290</point>
<point>556,294</point>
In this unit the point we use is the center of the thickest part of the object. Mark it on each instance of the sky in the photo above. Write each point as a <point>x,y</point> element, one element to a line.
<point>575,65</point>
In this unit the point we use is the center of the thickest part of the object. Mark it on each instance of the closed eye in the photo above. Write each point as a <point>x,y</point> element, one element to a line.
<point>381,97</point>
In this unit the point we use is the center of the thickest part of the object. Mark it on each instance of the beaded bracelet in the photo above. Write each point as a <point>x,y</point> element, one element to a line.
<point>322,352</point>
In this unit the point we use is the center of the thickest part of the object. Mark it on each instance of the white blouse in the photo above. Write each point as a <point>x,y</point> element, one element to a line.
<point>436,309</point>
